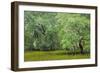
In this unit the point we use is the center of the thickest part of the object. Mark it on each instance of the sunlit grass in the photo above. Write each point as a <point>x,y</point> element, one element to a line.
<point>52,55</point>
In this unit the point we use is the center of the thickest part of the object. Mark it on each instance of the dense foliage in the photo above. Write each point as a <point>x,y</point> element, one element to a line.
<point>56,31</point>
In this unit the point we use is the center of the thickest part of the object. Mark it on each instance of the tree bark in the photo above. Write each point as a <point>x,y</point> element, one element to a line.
<point>81,45</point>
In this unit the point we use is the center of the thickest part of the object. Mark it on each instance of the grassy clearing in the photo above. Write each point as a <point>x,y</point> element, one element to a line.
<point>51,55</point>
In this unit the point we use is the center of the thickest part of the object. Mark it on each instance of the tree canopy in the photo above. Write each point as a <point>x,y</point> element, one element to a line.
<point>56,31</point>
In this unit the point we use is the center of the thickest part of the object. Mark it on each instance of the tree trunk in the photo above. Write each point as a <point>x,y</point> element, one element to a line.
<point>81,45</point>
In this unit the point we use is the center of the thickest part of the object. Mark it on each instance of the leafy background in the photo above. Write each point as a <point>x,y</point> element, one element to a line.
<point>50,31</point>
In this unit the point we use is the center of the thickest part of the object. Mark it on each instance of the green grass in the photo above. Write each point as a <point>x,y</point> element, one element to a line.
<point>51,55</point>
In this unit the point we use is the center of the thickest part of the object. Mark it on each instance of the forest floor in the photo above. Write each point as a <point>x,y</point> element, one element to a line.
<point>52,55</point>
